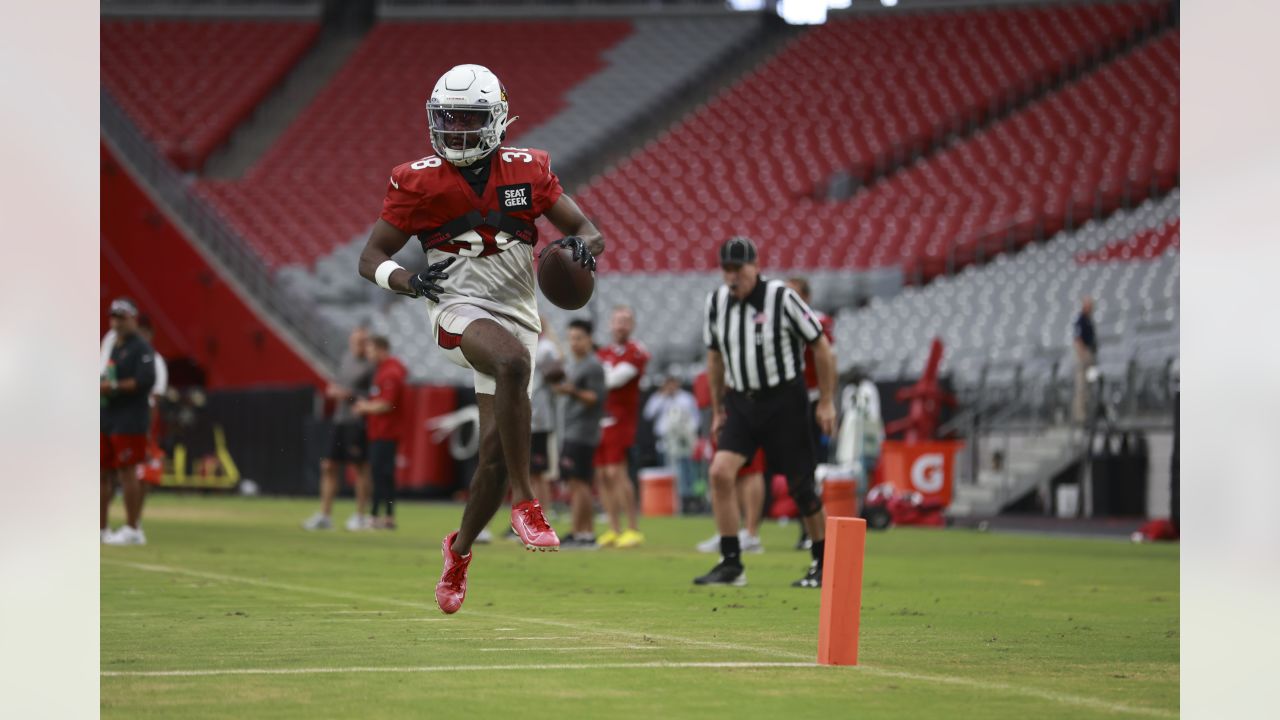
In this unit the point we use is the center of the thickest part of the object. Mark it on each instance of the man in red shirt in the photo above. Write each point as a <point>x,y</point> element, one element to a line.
<point>384,417</point>
<point>624,364</point>
<point>821,443</point>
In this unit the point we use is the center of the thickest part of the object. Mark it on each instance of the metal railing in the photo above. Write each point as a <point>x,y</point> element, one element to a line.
<point>296,320</point>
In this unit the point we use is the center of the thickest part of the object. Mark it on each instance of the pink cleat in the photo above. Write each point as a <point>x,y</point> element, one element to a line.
<point>452,588</point>
<point>530,525</point>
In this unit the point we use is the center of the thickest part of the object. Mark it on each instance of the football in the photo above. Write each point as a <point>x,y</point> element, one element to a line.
<point>564,282</point>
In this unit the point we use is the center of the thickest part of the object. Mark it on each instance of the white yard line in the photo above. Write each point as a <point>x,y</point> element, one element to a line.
<point>451,668</point>
<point>1049,695</point>
<point>572,649</point>
<point>1063,698</point>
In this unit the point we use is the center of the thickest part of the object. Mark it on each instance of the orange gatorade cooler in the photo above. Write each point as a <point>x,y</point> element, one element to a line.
<point>657,492</point>
<point>839,490</point>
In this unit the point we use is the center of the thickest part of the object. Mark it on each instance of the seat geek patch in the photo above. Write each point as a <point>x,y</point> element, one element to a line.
<point>516,197</point>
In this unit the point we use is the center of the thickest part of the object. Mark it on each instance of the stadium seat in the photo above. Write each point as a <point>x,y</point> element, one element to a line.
<point>187,84</point>
<point>749,160</point>
<point>325,177</point>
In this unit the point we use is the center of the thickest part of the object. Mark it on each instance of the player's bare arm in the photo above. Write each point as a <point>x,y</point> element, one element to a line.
<point>825,359</point>
<point>387,240</point>
<point>715,380</point>
<point>568,219</point>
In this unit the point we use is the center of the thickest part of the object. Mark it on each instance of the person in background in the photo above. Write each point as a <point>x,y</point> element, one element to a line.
<point>674,414</point>
<point>1086,347</point>
<point>124,390</point>
<point>624,364</point>
<point>861,428</point>
<point>754,330</point>
<point>384,413</point>
<point>583,390</point>
<point>748,490</point>
<point>821,443</point>
<point>349,446</point>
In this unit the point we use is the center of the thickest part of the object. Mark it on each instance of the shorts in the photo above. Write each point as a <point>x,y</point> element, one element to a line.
<point>615,441</point>
<point>121,451</point>
<point>451,322</point>
<point>576,461</point>
<point>776,421</point>
<point>538,458</point>
<point>348,442</point>
<point>755,465</point>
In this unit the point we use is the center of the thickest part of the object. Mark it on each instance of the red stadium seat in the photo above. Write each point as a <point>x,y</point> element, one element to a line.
<point>329,170</point>
<point>188,84</point>
<point>1106,139</point>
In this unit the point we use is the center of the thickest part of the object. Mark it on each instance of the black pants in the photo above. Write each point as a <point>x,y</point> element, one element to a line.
<point>382,469</point>
<point>777,420</point>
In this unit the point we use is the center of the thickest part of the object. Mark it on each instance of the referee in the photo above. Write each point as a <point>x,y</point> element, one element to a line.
<point>756,330</point>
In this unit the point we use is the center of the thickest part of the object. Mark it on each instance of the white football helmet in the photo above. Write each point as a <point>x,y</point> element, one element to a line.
<point>467,114</point>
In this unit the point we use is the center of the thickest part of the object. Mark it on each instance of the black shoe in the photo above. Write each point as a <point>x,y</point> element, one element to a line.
<point>578,542</point>
<point>811,579</point>
<point>724,574</point>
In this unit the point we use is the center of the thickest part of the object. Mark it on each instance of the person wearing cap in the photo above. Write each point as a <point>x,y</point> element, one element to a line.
<point>125,391</point>
<point>755,330</point>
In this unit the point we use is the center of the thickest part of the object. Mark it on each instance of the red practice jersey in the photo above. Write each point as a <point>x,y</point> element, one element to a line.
<point>492,235</point>
<point>810,369</point>
<point>389,385</point>
<point>622,404</point>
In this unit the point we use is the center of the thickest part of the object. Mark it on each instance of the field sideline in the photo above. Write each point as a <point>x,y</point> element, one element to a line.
<point>233,611</point>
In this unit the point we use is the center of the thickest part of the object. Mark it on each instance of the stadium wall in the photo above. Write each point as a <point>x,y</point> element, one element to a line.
<point>195,312</point>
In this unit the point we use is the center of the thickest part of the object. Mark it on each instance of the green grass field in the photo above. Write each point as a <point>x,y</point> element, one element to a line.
<point>233,611</point>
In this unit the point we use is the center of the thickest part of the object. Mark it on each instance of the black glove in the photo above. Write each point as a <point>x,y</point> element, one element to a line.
<point>581,254</point>
<point>427,282</point>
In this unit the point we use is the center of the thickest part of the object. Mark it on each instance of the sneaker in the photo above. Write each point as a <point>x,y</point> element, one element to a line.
<point>579,542</point>
<point>531,525</point>
<point>608,538</point>
<point>629,539</point>
<point>357,523</point>
<point>127,536</point>
<point>485,537</point>
<point>452,588</point>
<point>811,579</point>
<point>804,543</point>
<point>710,545</point>
<point>319,521</point>
<point>106,535</point>
<point>724,574</point>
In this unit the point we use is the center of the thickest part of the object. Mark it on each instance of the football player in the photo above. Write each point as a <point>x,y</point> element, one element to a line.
<point>624,364</point>
<point>473,205</point>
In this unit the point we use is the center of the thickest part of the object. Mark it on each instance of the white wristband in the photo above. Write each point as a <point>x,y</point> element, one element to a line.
<point>383,274</point>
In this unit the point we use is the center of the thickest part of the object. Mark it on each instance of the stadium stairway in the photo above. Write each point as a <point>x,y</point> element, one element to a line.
<point>1031,459</point>
<point>255,135</point>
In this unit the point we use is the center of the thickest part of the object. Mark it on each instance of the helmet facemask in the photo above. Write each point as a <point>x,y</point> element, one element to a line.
<point>463,134</point>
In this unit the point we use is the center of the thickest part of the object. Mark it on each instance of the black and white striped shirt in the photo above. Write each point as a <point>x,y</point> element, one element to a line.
<point>762,338</point>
